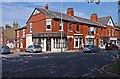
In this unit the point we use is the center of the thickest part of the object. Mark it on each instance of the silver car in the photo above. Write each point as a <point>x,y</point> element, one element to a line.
<point>91,48</point>
<point>33,48</point>
<point>5,50</point>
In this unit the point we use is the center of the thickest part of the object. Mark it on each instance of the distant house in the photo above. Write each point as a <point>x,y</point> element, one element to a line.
<point>9,35</point>
<point>111,33</point>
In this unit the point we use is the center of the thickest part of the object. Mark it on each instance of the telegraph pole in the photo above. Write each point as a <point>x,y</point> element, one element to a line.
<point>61,26</point>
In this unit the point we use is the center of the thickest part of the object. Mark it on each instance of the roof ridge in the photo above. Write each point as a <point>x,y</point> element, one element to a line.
<point>104,17</point>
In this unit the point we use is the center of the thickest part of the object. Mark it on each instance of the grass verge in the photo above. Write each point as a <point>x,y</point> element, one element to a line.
<point>114,68</point>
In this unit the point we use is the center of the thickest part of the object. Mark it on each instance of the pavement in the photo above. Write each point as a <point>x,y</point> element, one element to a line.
<point>16,54</point>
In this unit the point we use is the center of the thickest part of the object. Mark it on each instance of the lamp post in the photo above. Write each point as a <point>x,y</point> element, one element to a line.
<point>61,26</point>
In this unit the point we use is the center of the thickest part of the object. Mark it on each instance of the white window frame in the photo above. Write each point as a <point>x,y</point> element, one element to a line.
<point>48,22</point>
<point>17,33</point>
<point>112,32</point>
<point>17,43</point>
<point>61,25</point>
<point>75,42</point>
<point>31,25</point>
<point>21,43</point>
<point>23,32</point>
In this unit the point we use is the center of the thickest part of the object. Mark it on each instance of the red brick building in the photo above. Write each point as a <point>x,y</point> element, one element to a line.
<point>44,28</point>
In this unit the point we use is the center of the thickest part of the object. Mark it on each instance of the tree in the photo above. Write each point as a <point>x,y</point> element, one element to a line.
<point>91,1</point>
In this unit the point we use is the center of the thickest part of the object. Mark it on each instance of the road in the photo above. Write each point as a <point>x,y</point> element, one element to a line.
<point>59,65</point>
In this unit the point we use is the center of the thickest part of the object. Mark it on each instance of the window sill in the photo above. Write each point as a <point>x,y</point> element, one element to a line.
<point>61,30</point>
<point>70,31</point>
<point>48,29</point>
<point>76,47</point>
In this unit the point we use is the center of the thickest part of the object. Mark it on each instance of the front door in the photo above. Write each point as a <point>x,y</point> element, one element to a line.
<point>48,44</point>
<point>70,44</point>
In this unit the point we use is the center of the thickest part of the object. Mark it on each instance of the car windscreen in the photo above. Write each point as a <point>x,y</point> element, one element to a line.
<point>36,46</point>
<point>5,47</point>
<point>87,46</point>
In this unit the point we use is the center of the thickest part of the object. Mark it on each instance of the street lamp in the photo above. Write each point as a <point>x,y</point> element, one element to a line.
<point>61,26</point>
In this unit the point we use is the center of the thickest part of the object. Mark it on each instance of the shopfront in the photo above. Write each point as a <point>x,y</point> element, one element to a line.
<point>50,41</point>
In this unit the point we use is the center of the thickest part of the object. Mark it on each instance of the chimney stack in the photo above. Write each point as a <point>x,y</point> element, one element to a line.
<point>15,24</point>
<point>46,7</point>
<point>94,17</point>
<point>70,12</point>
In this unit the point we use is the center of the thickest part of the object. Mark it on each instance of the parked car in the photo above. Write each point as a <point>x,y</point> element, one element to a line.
<point>91,48</point>
<point>5,50</point>
<point>110,46</point>
<point>33,48</point>
<point>114,46</point>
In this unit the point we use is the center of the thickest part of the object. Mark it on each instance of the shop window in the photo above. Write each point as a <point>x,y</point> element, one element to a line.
<point>57,43</point>
<point>42,42</point>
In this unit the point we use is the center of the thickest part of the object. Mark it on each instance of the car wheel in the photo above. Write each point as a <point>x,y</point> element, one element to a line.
<point>31,51</point>
<point>25,50</point>
<point>92,51</point>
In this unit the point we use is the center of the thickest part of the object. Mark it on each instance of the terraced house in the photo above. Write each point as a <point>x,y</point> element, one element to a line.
<point>44,28</point>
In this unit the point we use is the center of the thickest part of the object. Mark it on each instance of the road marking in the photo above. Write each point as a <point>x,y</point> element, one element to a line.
<point>107,71</point>
<point>86,74</point>
<point>32,68</point>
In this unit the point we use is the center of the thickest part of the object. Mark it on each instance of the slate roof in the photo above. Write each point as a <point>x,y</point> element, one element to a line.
<point>104,20</point>
<point>24,27</point>
<point>57,15</point>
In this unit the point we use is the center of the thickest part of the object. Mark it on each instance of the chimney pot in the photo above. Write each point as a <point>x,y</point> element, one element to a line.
<point>70,12</point>
<point>46,7</point>
<point>94,17</point>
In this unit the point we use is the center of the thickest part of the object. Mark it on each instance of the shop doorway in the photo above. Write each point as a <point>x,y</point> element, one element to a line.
<point>48,44</point>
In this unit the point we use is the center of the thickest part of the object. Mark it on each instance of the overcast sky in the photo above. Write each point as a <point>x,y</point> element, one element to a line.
<point>21,11</point>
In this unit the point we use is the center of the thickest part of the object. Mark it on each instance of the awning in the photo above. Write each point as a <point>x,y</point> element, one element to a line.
<point>48,34</point>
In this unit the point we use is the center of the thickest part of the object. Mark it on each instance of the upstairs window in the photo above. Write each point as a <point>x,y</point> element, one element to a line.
<point>17,33</point>
<point>48,24</point>
<point>108,32</point>
<point>89,30</point>
<point>113,33</point>
<point>70,27</point>
<point>77,27</point>
<point>61,26</point>
<point>30,27</point>
<point>23,32</point>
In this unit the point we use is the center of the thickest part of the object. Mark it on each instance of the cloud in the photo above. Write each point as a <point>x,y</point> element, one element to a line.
<point>80,14</point>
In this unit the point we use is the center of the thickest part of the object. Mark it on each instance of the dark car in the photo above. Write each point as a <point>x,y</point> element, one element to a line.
<point>110,46</point>
<point>5,50</point>
<point>114,46</point>
<point>33,48</point>
<point>91,48</point>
